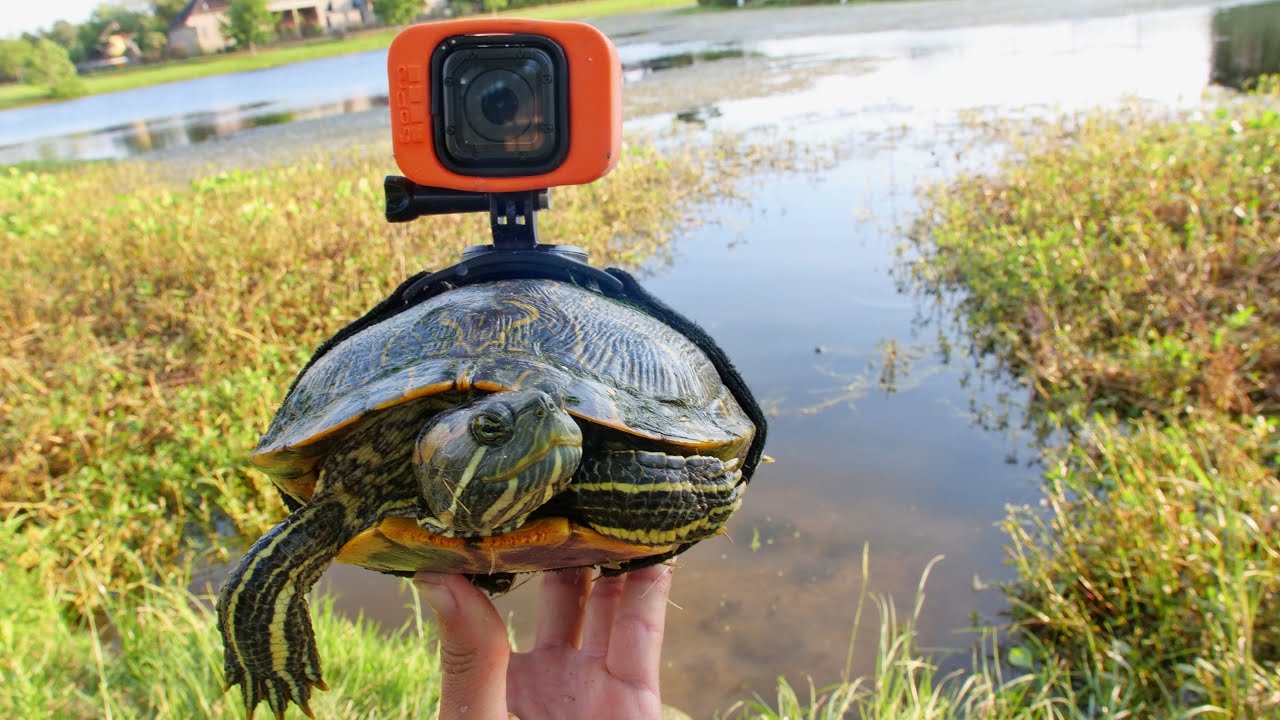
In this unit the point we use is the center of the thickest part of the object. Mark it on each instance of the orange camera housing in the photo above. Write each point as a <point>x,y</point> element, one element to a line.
<point>594,103</point>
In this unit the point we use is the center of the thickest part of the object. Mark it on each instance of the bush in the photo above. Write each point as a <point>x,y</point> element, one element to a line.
<point>69,87</point>
<point>13,60</point>
<point>397,12</point>
<point>49,64</point>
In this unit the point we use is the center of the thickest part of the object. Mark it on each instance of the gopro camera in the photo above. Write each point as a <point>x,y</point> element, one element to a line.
<point>497,105</point>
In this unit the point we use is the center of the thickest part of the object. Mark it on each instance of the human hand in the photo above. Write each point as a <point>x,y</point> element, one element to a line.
<point>596,656</point>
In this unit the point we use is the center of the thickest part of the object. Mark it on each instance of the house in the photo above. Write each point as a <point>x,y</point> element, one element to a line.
<point>113,48</point>
<point>198,28</point>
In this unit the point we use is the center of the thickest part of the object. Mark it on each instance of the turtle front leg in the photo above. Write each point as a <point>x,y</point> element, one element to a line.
<point>653,498</point>
<point>270,648</point>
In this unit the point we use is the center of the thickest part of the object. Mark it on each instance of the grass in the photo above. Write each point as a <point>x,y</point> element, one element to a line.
<point>1124,267</point>
<point>157,654</point>
<point>1125,263</point>
<point>15,95</point>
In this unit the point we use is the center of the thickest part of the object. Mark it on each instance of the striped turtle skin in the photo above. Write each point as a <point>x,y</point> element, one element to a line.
<point>502,427</point>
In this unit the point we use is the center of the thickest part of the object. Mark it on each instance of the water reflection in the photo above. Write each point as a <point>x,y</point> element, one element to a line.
<point>97,126</point>
<point>698,115</point>
<point>141,136</point>
<point>641,68</point>
<point>1246,44</point>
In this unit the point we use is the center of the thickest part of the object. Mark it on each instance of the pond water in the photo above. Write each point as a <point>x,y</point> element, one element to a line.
<point>797,286</point>
<point>1239,38</point>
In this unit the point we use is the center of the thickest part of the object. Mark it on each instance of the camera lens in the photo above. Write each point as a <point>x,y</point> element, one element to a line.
<point>500,105</point>
<point>503,108</point>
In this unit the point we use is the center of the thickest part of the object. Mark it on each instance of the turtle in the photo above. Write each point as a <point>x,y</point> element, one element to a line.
<point>500,427</point>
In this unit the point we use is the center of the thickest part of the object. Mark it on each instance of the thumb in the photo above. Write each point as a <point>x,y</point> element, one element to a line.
<point>474,649</point>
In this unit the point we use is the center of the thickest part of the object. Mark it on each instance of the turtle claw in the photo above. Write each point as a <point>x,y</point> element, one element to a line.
<point>260,681</point>
<point>279,693</point>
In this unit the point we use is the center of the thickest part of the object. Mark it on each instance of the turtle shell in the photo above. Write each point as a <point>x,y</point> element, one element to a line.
<point>614,365</point>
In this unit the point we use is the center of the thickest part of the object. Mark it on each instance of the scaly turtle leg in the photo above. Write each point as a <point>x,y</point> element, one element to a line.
<point>270,649</point>
<point>653,498</point>
<point>262,609</point>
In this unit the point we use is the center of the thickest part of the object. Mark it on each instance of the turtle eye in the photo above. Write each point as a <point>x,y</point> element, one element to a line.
<point>490,429</point>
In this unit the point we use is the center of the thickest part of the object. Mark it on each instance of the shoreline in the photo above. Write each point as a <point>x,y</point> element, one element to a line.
<point>671,26</point>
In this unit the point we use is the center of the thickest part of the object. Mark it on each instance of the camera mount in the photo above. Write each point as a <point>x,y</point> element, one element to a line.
<point>515,252</point>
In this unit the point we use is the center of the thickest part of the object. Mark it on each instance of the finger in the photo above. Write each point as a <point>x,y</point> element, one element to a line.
<point>635,646</point>
<point>474,650</point>
<point>602,605</point>
<point>562,601</point>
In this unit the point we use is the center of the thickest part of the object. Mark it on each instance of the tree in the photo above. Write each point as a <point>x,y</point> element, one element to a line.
<point>108,20</point>
<point>49,65</point>
<point>397,12</point>
<point>153,44</point>
<point>249,23</point>
<point>66,35</point>
<point>166,11</point>
<point>494,5</point>
<point>13,60</point>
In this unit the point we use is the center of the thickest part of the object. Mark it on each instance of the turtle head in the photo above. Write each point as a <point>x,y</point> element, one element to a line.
<point>482,467</point>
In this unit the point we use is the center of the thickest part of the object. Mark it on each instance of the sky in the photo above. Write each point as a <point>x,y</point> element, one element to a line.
<point>26,15</point>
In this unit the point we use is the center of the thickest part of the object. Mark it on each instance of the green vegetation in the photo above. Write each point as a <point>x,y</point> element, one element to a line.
<point>1125,268</point>
<point>157,654</point>
<point>397,12</point>
<point>42,65</point>
<point>249,24</point>
<point>13,59</point>
<point>15,94</point>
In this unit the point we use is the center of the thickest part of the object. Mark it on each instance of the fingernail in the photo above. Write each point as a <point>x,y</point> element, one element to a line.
<point>437,594</point>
